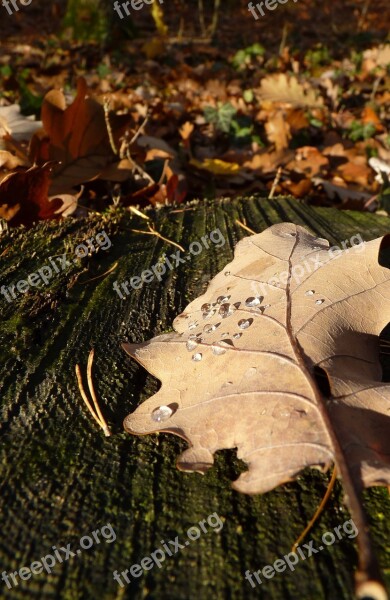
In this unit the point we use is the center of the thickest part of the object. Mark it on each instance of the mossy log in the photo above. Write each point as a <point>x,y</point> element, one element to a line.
<point>61,478</point>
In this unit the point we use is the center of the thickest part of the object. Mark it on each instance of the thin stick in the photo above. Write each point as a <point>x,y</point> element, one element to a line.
<point>318,511</point>
<point>214,22</point>
<point>114,266</point>
<point>104,425</point>
<point>245,227</point>
<point>138,212</point>
<point>139,130</point>
<point>108,125</point>
<point>84,395</point>
<point>275,183</point>
<point>154,232</point>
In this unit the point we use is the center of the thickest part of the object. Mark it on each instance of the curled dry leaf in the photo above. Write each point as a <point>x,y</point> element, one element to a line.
<point>24,197</point>
<point>240,370</point>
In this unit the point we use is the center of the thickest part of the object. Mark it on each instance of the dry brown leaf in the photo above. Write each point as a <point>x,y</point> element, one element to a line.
<point>278,130</point>
<point>288,90</point>
<point>309,161</point>
<point>24,197</point>
<point>336,190</point>
<point>240,370</point>
<point>76,137</point>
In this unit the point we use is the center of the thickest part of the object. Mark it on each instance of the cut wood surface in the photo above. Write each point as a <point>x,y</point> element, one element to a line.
<point>62,479</point>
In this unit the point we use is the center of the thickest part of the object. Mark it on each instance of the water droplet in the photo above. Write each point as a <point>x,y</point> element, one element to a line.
<point>205,309</point>
<point>197,357</point>
<point>237,336</point>
<point>224,336</point>
<point>252,301</point>
<point>251,372</point>
<point>321,301</point>
<point>162,413</point>
<point>222,299</point>
<point>193,325</point>
<point>245,323</point>
<point>226,310</point>
<point>266,305</point>
<point>227,273</point>
<point>209,328</point>
<point>209,314</point>
<point>309,293</point>
<point>191,345</point>
<point>217,350</point>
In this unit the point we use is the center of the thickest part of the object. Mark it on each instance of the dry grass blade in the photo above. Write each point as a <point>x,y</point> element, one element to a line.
<point>245,227</point>
<point>318,511</point>
<point>152,231</point>
<point>84,395</point>
<point>103,423</point>
<point>110,270</point>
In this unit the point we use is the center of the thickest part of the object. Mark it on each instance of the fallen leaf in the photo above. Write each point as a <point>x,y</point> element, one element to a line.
<point>288,90</point>
<point>24,197</point>
<point>216,166</point>
<point>278,130</point>
<point>12,122</point>
<point>240,370</point>
<point>76,137</point>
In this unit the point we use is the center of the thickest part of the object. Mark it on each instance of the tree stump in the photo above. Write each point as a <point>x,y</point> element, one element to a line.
<point>62,479</point>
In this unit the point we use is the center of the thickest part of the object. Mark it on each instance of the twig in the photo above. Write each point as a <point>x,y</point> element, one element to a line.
<point>214,21</point>
<point>140,128</point>
<point>104,425</point>
<point>245,227</point>
<point>138,212</point>
<point>275,183</point>
<point>114,266</point>
<point>201,18</point>
<point>152,231</point>
<point>318,511</point>
<point>108,125</point>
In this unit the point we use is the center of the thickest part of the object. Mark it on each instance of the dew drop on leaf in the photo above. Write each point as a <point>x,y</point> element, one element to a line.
<point>321,301</point>
<point>197,357</point>
<point>245,323</point>
<point>162,413</point>
<point>252,301</point>
<point>191,345</point>
<point>217,350</point>
<point>309,293</point>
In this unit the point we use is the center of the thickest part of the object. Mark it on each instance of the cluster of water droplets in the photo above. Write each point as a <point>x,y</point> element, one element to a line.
<point>312,293</point>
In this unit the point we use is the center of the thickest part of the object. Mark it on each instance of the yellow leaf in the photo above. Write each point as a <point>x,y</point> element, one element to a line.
<point>154,48</point>
<point>216,166</point>
<point>158,17</point>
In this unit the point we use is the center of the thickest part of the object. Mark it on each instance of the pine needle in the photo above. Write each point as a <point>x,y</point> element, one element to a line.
<point>84,395</point>
<point>152,231</point>
<point>96,415</point>
<point>318,511</point>
<point>110,270</point>
<point>245,227</point>
<point>104,425</point>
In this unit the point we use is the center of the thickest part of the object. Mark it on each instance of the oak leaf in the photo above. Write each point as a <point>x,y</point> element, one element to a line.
<point>76,137</point>
<point>242,370</point>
